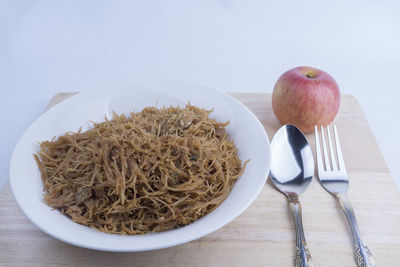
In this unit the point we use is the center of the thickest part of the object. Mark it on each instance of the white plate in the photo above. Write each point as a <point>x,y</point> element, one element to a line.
<point>249,135</point>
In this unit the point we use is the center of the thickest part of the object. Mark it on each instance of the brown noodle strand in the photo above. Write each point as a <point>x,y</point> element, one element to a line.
<point>155,170</point>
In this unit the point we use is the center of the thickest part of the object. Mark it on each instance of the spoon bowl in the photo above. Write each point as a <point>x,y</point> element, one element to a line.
<point>292,163</point>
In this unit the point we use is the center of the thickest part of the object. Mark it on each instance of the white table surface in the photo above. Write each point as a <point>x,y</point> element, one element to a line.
<point>231,45</point>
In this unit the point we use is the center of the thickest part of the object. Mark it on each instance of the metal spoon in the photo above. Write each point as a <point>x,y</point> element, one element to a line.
<point>292,168</point>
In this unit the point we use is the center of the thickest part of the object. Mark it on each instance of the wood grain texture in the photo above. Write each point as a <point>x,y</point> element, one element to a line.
<point>263,235</point>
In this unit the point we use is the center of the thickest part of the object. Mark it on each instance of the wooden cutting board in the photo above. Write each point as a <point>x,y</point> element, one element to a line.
<point>263,235</point>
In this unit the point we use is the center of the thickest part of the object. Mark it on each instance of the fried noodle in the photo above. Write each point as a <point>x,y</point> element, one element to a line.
<point>152,171</point>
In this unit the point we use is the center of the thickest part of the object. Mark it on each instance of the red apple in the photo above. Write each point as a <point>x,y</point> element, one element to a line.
<point>304,97</point>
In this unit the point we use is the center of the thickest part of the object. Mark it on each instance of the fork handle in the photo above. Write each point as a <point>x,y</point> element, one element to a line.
<point>303,256</point>
<point>362,254</point>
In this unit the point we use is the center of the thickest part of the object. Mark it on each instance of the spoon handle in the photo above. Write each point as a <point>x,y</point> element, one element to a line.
<point>303,256</point>
<point>361,252</point>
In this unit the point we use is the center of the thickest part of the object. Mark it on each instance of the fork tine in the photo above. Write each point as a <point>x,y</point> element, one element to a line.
<point>333,158</point>
<point>339,150</point>
<point>318,151</point>
<point>326,158</point>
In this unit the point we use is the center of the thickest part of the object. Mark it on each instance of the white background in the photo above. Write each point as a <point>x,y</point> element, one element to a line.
<point>243,46</point>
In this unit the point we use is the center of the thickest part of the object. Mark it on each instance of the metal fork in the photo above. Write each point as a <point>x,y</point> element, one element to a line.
<point>333,177</point>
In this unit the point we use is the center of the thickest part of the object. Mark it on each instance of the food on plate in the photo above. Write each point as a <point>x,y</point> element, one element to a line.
<point>151,171</point>
<point>304,97</point>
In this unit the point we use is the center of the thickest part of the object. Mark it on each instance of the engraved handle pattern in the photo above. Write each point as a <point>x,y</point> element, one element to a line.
<point>303,256</point>
<point>362,254</point>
